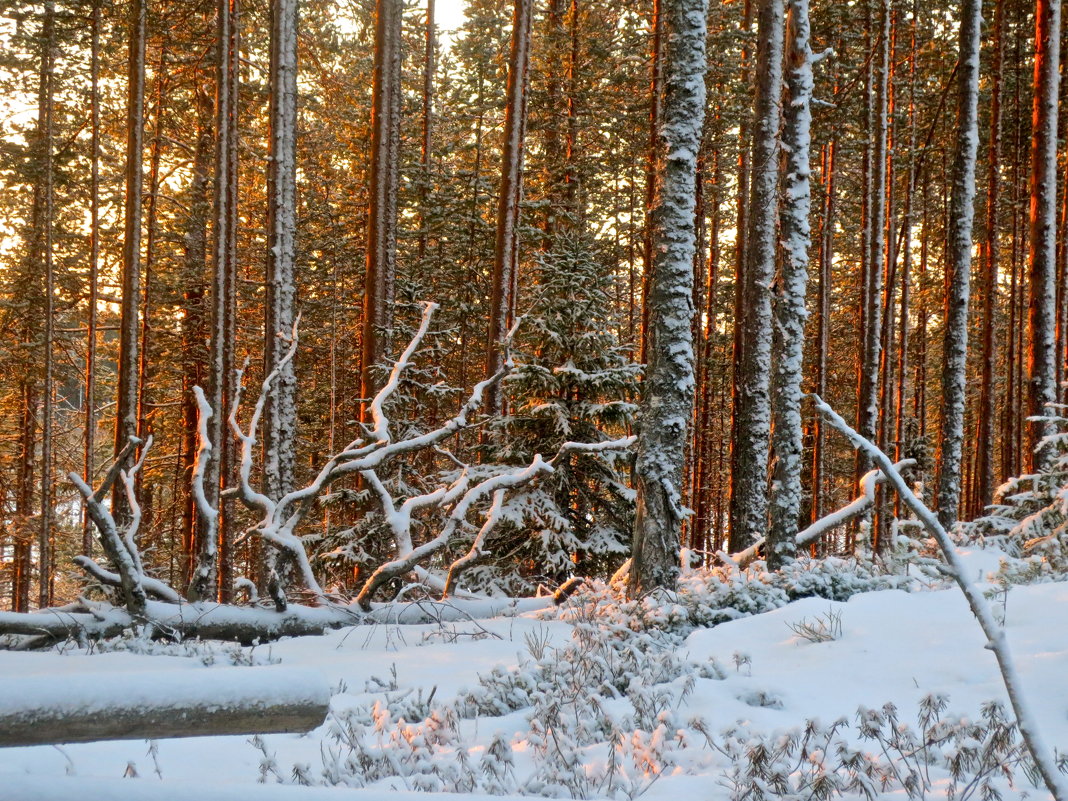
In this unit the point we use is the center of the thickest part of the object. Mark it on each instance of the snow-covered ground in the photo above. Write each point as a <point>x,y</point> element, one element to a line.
<point>754,676</point>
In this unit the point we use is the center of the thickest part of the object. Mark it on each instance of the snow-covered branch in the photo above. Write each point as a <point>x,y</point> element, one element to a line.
<point>836,519</point>
<point>118,546</point>
<point>977,602</point>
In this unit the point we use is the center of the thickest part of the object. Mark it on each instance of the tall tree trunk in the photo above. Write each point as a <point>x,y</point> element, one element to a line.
<point>668,391</point>
<point>382,209</point>
<point>1041,268</point>
<point>194,329</point>
<point>656,100</point>
<point>749,497</point>
<point>280,412</point>
<point>94,267</point>
<point>868,399</point>
<point>205,581</point>
<point>823,312</point>
<point>791,288</point>
<point>126,406</point>
<point>43,240</point>
<point>984,484</point>
<point>741,227</point>
<point>502,300</point>
<point>428,128</point>
<point>959,264</point>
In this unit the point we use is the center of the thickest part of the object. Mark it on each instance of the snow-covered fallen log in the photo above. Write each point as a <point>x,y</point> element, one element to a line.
<point>21,786</point>
<point>161,703</point>
<point>248,625</point>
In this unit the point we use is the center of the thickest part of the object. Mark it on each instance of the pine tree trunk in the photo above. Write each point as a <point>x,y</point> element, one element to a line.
<point>194,328</point>
<point>868,398</point>
<point>205,581</point>
<point>823,311</point>
<point>89,463</point>
<point>668,390</point>
<point>1041,268</point>
<point>741,228</point>
<point>656,99</point>
<point>43,241</point>
<point>749,497</point>
<point>502,300</point>
<point>280,412</point>
<point>961,215</point>
<point>127,397</point>
<point>382,208</point>
<point>984,492</point>
<point>428,129</point>
<point>791,289</point>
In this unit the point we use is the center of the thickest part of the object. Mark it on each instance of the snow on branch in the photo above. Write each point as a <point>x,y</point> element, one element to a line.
<point>120,547</point>
<point>851,511</point>
<point>995,633</point>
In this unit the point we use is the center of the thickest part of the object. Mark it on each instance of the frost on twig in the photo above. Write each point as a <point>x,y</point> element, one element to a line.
<point>977,603</point>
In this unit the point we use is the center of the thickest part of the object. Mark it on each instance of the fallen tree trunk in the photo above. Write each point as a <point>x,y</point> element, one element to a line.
<point>21,786</point>
<point>851,511</point>
<point>1045,760</point>
<point>249,625</point>
<point>47,710</point>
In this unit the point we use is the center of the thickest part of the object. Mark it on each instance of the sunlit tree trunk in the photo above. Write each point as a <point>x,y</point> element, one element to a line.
<point>126,408</point>
<point>984,484</point>
<point>382,207</point>
<point>280,413</point>
<point>502,300</point>
<point>1041,314</point>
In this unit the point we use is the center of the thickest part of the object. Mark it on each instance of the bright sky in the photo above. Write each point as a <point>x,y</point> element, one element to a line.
<point>449,14</point>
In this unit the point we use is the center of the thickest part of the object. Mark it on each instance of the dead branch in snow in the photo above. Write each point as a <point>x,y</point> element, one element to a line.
<point>995,633</point>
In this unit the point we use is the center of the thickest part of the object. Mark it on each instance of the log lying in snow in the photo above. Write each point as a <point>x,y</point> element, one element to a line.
<point>248,625</point>
<point>22,786</point>
<point>50,709</point>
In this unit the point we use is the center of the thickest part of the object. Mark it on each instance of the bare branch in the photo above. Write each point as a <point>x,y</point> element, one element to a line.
<point>977,602</point>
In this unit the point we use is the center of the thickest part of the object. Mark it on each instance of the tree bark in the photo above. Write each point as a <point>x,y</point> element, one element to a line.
<point>502,299</point>
<point>984,484</point>
<point>94,269</point>
<point>961,215</point>
<point>127,398</point>
<point>280,412</point>
<point>791,288</point>
<point>382,208</point>
<point>1042,261</point>
<point>749,494</point>
<point>667,401</point>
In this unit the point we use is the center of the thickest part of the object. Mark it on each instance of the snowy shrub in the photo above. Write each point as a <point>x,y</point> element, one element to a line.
<point>709,596</point>
<point>1029,519</point>
<point>877,756</point>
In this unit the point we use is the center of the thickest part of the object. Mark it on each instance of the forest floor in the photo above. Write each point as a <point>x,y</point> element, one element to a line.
<point>677,728</point>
